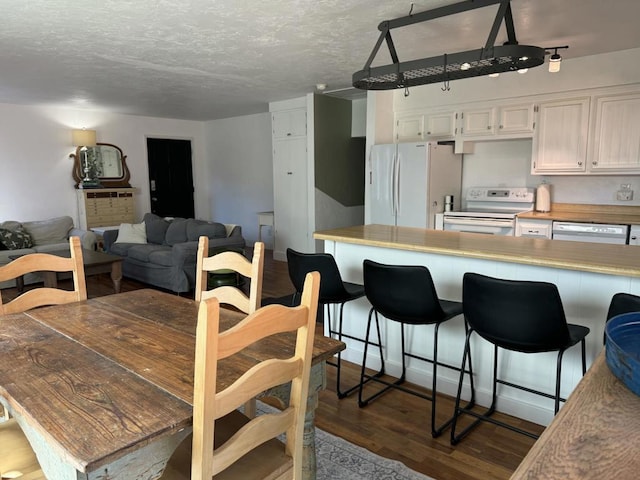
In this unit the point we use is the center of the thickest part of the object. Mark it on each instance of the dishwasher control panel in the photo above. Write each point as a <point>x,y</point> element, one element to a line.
<point>590,232</point>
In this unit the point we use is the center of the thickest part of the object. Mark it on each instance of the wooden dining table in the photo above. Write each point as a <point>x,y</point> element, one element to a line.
<point>103,388</point>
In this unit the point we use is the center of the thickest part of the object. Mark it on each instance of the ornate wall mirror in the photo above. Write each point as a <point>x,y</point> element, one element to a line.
<point>104,163</point>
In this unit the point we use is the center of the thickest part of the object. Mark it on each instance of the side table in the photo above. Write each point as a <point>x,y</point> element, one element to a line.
<point>265,219</point>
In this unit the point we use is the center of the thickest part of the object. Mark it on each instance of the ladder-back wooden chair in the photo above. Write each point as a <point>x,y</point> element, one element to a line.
<point>237,262</point>
<point>247,448</point>
<point>16,455</point>
<point>44,262</point>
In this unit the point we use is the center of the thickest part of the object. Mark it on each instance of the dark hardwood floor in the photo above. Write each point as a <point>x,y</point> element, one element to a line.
<point>397,424</point>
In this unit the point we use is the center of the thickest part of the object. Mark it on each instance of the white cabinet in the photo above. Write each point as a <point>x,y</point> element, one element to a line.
<point>634,235</point>
<point>290,188</point>
<point>533,228</point>
<point>478,122</point>
<point>440,124</point>
<point>515,119</point>
<point>289,123</point>
<point>410,128</point>
<point>560,141</point>
<point>615,144</point>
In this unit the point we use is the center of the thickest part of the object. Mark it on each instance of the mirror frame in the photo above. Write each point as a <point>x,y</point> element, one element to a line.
<point>107,182</point>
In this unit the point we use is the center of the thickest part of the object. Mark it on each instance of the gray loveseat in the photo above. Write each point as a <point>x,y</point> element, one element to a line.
<point>168,259</point>
<point>44,236</point>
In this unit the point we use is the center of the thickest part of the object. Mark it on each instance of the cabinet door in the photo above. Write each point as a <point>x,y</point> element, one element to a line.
<point>289,123</point>
<point>616,145</point>
<point>440,124</point>
<point>533,228</point>
<point>560,142</point>
<point>409,128</point>
<point>290,195</point>
<point>515,119</point>
<point>477,122</point>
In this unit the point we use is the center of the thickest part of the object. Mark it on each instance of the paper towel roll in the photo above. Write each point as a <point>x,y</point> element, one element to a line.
<point>543,198</point>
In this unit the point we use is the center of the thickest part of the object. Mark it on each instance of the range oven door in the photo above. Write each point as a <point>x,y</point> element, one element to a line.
<point>489,226</point>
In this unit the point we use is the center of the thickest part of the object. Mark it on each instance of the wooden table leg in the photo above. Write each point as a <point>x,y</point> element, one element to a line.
<point>116,275</point>
<point>20,283</point>
<point>50,279</point>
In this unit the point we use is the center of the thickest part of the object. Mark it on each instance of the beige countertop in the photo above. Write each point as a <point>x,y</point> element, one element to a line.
<point>621,260</point>
<point>573,212</point>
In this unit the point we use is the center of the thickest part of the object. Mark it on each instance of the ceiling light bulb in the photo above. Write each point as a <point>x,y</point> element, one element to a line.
<point>321,87</point>
<point>465,66</point>
<point>554,63</point>
<point>494,75</point>
<point>523,70</point>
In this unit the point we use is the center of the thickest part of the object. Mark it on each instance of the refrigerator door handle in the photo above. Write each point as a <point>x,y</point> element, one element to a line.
<point>397,186</point>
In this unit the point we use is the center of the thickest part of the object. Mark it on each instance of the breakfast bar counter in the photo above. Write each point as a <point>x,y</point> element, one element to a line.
<point>588,257</point>
<point>587,276</point>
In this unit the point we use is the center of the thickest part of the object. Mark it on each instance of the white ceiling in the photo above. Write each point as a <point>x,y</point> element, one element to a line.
<point>209,59</point>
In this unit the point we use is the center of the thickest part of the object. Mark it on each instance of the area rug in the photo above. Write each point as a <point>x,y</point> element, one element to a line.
<point>338,459</point>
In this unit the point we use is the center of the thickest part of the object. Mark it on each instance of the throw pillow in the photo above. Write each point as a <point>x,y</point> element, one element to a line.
<point>132,233</point>
<point>156,228</point>
<point>15,239</point>
<point>198,228</point>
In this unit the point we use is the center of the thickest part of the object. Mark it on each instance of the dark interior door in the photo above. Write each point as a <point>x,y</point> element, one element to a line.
<point>170,177</point>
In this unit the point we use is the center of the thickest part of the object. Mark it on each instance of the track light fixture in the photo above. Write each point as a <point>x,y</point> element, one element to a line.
<point>555,58</point>
<point>489,60</point>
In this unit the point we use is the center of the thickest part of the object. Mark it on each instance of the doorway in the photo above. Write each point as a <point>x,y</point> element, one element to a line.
<point>170,177</point>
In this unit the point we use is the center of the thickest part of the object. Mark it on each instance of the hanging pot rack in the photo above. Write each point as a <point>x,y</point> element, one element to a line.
<point>452,66</point>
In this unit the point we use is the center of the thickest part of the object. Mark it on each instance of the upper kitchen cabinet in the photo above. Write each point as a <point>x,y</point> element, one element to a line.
<point>516,119</point>
<point>504,120</point>
<point>615,145</point>
<point>289,123</point>
<point>478,122</point>
<point>560,141</point>
<point>440,124</point>
<point>436,125</point>
<point>410,128</point>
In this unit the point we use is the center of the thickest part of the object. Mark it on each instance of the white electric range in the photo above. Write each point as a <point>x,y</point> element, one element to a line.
<point>489,210</point>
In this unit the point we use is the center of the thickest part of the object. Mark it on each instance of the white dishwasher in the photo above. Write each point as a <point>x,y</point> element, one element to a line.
<point>590,232</point>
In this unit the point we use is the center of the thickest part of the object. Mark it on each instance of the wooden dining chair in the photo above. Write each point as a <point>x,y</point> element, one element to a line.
<point>44,262</point>
<point>225,443</point>
<point>236,262</point>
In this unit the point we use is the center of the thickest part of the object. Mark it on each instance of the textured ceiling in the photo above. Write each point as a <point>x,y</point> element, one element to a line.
<point>209,59</point>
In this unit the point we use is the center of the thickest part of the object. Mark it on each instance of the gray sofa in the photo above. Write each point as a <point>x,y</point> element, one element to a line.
<point>45,236</point>
<point>168,259</point>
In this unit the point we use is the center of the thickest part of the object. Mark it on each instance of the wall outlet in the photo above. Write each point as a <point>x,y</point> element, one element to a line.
<point>624,195</point>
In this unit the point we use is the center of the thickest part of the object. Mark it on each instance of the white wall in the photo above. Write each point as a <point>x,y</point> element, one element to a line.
<point>240,172</point>
<point>508,162</point>
<point>35,143</point>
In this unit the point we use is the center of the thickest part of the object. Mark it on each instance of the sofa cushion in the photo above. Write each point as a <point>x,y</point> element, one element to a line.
<point>132,233</point>
<point>15,239</point>
<point>198,228</point>
<point>121,249</point>
<point>162,257</point>
<point>53,230</point>
<point>142,253</point>
<point>177,231</point>
<point>156,228</point>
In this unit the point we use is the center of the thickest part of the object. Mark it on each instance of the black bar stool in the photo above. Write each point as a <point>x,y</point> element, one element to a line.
<point>333,291</point>
<point>406,294</point>
<point>521,316</point>
<point>623,303</point>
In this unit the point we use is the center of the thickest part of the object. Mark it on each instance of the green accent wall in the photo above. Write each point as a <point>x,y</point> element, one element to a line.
<point>339,158</point>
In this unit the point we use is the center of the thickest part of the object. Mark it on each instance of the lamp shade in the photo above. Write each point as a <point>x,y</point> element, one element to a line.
<point>83,138</point>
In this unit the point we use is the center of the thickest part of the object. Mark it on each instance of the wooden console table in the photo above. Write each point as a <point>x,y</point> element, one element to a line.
<point>595,435</point>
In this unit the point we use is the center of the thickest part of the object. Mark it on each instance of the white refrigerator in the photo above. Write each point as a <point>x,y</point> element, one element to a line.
<point>407,183</point>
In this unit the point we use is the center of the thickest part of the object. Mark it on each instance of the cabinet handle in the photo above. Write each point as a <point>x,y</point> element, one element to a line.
<point>289,173</point>
<point>289,134</point>
<point>488,127</point>
<point>428,133</point>
<point>594,163</point>
<point>579,164</point>
<point>634,238</point>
